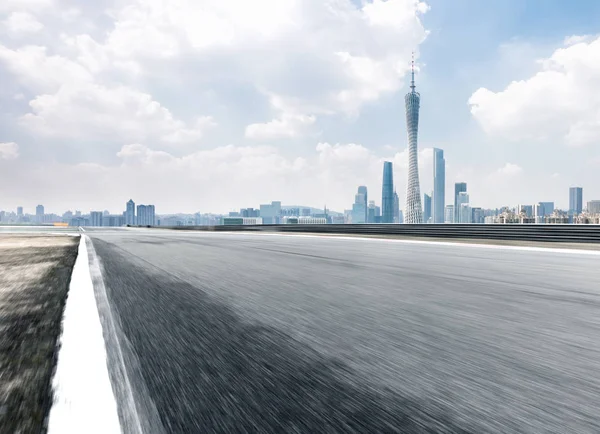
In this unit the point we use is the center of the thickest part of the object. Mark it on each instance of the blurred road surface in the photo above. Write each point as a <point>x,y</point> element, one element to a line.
<point>230,333</point>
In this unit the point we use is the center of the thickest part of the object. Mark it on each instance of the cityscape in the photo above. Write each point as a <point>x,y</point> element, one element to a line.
<point>431,209</point>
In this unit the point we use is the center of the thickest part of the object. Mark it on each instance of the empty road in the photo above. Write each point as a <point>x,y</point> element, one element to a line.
<point>235,332</point>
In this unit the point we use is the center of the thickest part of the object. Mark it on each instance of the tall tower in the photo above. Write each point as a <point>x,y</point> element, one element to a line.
<point>387,194</point>
<point>413,212</point>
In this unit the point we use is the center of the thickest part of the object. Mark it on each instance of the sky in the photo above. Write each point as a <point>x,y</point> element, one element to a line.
<point>215,105</point>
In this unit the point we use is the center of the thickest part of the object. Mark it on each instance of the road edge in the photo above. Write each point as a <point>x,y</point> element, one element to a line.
<point>83,397</point>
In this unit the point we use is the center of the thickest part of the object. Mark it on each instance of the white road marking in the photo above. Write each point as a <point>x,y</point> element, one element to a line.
<point>81,229</point>
<point>83,397</point>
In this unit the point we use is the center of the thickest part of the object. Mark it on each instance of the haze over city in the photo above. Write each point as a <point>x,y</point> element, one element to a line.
<point>226,107</point>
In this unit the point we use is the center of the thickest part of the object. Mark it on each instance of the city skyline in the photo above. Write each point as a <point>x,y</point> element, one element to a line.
<point>310,133</point>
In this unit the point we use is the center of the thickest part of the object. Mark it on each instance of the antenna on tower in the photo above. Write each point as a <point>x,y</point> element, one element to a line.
<point>412,71</point>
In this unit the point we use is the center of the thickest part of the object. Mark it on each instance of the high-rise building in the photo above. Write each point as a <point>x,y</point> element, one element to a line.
<point>546,208</point>
<point>387,194</point>
<point>459,187</point>
<point>477,215</point>
<point>396,207</point>
<point>363,190</point>
<point>371,212</point>
<point>439,185</point>
<point>593,207</point>
<point>426,208</point>
<point>270,213</point>
<point>39,214</point>
<point>130,213</point>
<point>525,209</point>
<point>96,218</point>
<point>412,101</point>
<point>449,214</point>
<point>464,214</point>
<point>146,215</point>
<point>19,211</point>
<point>575,200</point>
<point>359,207</point>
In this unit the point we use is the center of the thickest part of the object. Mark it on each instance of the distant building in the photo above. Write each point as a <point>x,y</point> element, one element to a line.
<point>477,215</point>
<point>593,207</point>
<point>371,212</point>
<point>242,221</point>
<point>397,218</point>
<point>130,213</point>
<point>575,200</point>
<point>306,212</point>
<point>146,215</point>
<point>270,213</point>
<point>19,211</point>
<point>464,216</point>
<point>427,204</point>
<point>359,208</point>
<point>249,212</point>
<point>449,214</point>
<point>387,193</point>
<point>113,220</point>
<point>39,214</point>
<point>439,186</point>
<point>548,207</point>
<point>525,209</point>
<point>459,187</point>
<point>96,218</point>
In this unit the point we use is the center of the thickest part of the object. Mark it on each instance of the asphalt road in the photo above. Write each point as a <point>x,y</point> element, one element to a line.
<point>231,333</point>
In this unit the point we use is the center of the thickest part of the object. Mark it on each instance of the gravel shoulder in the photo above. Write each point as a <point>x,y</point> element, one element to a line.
<point>35,271</point>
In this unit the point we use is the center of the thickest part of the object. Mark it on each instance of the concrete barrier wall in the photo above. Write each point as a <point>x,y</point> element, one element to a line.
<point>517,232</point>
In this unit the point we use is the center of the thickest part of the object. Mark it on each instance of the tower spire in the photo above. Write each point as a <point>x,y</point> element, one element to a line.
<point>412,72</point>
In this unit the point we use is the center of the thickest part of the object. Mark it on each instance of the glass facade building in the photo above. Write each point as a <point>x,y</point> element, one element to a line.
<point>439,185</point>
<point>387,193</point>
<point>575,200</point>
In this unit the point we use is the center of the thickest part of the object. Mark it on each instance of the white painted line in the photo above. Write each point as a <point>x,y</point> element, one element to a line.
<point>83,397</point>
<point>81,229</point>
<point>435,243</point>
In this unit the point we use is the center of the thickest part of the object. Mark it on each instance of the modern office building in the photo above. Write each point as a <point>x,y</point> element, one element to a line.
<point>477,215</point>
<point>525,209</point>
<point>575,200</point>
<point>412,101</point>
<point>396,208</point>
<point>19,211</point>
<point>449,214</point>
<point>371,212</point>
<point>459,187</point>
<point>130,213</point>
<point>387,193</point>
<point>464,216</point>
<point>359,207</point>
<point>270,213</point>
<point>439,185</point>
<point>96,218</point>
<point>146,215</point>
<point>427,204</point>
<point>546,208</point>
<point>39,214</point>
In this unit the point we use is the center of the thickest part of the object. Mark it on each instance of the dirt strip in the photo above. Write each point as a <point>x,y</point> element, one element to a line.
<point>35,271</point>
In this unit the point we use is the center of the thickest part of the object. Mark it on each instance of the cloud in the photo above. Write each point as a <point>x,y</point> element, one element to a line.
<point>21,23</point>
<point>21,5</point>
<point>510,169</point>
<point>9,151</point>
<point>286,127</point>
<point>560,102</point>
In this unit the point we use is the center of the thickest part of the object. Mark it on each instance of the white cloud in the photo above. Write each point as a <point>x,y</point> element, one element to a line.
<point>286,127</point>
<point>21,23</point>
<point>9,151</point>
<point>560,102</point>
<point>21,5</point>
<point>510,169</point>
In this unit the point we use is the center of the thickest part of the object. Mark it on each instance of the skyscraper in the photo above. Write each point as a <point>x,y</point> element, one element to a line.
<point>130,213</point>
<point>412,100</point>
<point>39,214</point>
<point>426,208</point>
<point>439,185</point>
<point>459,187</point>
<point>363,190</point>
<point>396,208</point>
<point>449,214</point>
<point>359,207</point>
<point>96,218</point>
<point>575,200</point>
<point>387,194</point>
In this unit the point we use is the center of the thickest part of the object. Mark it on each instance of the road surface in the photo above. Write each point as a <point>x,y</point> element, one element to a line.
<point>229,332</point>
